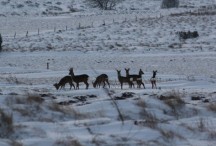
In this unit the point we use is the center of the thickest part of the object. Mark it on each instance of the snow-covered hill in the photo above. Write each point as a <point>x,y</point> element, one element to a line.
<point>59,7</point>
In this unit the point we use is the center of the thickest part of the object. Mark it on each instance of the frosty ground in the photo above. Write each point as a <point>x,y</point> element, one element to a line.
<point>181,111</point>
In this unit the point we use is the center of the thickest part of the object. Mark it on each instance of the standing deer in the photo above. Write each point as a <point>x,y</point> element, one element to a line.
<point>103,78</point>
<point>63,81</point>
<point>153,79</point>
<point>79,78</point>
<point>135,77</point>
<point>124,79</point>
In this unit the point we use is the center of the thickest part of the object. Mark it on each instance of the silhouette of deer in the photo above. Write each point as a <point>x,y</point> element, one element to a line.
<point>135,77</point>
<point>153,79</point>
<point>103,78</point>
<point>123,79</point>
<point>63,81</point>
<point>79,78</point>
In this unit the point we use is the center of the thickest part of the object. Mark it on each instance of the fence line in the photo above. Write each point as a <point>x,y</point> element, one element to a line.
<point>91,24</point>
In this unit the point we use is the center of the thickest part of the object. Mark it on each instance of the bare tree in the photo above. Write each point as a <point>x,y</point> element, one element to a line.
<point>103,4</point>
<point>170,4</point>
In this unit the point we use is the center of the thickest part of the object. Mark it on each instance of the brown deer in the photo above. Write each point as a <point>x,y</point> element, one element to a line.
<point>123,79</point>
<point>63,81</point>
<point>153,79</point>
<point>135,77</point>
<point>103,78</point>
<point>79,78</point>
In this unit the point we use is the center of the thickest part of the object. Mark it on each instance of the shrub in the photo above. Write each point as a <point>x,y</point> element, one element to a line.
<point>103,4</point>
<point>169,4</point>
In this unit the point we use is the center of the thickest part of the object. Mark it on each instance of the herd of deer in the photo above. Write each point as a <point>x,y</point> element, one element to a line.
<point>103,79</point>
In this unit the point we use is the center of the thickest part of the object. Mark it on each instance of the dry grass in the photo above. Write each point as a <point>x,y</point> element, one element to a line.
<point>212,107</point>
<point>13,79</point>
<point>97,141</point>
<point>27,105</point>
<point>6,124</point>
<point>174,101</point>
<point>212,135</point>
<point>15,143</point>
<point>169,135</point>
<point>34,98</point>
<point>24,99</point>
<point>150,119</point>
<point>69,141</point>
<point>141,103</point>
<point>201,125</point>
<point>66,110</point>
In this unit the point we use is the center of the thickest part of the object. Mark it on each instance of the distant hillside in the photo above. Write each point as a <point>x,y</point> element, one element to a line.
<point>57,7</point>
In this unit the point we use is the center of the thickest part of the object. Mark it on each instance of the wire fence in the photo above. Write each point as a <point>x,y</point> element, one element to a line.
<point>25,27</point>
<point>36,26</point>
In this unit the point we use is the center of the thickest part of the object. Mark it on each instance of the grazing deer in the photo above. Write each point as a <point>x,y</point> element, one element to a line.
<point>63,81</point>
<point>124,79</point>
<point>79,78</point>
<point>153,79</point>
<point>103,78</point>
<point>135,77</point>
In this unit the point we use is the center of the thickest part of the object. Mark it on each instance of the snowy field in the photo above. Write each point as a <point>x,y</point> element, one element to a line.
<point>137,35</point>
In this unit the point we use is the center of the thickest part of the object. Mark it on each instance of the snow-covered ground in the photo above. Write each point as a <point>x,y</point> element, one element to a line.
<point>137,35</point>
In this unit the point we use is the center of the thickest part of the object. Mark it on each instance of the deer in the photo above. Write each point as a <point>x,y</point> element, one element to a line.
<point>103,78</point>
<point>79,78</point>
<point>123,79</point>
<point>135,77</point>
<point>63,81</point>
<point>153,79</point>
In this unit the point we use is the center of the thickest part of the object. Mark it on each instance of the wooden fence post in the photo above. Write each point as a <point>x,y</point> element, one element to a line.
<point>27,33</point>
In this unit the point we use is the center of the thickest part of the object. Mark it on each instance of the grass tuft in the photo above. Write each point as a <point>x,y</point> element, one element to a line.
<point>69,141</point>
<point>6,124</point>
<point>212,107</point>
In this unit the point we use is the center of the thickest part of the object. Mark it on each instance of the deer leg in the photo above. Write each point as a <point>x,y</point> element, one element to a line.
<point>86,84</point>
<point>143,85</point>
<point>77,85</point>
<point>155,86</point>
<point>132,85</point>
<point>61,87</point>
<point>71,84</point>
<point>104,84</point>
<point>108,83</point>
